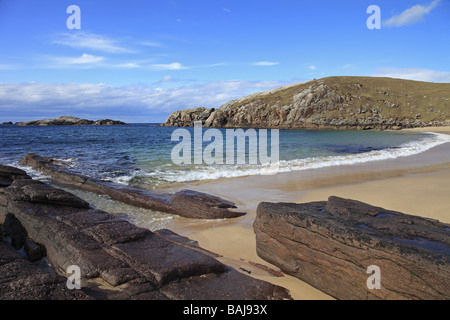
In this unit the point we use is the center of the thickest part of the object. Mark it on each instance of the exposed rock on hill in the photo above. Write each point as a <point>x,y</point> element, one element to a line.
<point>69,121</point>
<point>332,244</point>
<point>331,103</point>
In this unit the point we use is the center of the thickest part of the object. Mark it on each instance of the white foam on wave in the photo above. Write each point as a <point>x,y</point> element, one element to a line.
<point>37,175</point>
<point>200,173</point>
<point>70,162</point>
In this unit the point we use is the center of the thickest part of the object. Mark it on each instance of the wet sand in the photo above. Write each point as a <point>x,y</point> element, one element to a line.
<point>415,185</point>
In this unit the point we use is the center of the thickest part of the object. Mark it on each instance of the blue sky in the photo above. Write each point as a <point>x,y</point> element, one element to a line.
<point>139,60</point>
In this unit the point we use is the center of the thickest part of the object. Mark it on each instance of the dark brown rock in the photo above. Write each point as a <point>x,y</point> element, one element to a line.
<point>226,286</point>
<point>13,229</point>
<point>22,280</point>
<point>8,174</point>
<point>330,245</point>
<point>34,251</point>
<point>186,203</point>
<point>39,192</point>
<point>163,261</point>
<point>202,205</point>
<point>130,262</point>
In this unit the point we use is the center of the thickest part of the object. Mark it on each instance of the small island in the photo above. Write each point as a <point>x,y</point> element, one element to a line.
<point>70,121</point>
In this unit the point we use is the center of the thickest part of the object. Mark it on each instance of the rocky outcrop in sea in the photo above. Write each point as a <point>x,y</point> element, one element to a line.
<point>186,203</point>
<point>70,121</point>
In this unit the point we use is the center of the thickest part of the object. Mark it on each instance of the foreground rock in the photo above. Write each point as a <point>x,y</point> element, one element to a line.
<point>331,245</point>
<point>186,203</point>
<point>331,103</point>
<point>69,121</point>
<point>117,259</point>
<point>22,280</point>
<point>8,174</point>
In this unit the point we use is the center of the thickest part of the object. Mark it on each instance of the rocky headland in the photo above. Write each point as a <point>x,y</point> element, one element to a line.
<point>70,121</point>
<point>331,103</point>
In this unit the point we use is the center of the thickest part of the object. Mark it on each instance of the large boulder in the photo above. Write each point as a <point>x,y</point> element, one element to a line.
<point>333,244</point>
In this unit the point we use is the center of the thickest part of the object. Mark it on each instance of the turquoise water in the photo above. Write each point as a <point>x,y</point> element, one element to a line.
<point>140,154</point>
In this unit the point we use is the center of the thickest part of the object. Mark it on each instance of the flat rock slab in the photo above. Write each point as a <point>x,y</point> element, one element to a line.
<point>131,262</point>
<point>332,244</point>
<point>23,280</point>
<point>186,203</point>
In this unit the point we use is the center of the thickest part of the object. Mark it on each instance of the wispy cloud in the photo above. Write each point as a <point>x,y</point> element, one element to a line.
<point>151,44</point>
<point>48,100</point>
<point>312,67</point>
<point>264,63</point>
<point>411,15</point>
<point>414,74</point>
<point>84,59</point>
<point>83,40</point>
<point>170,66</point>
<point>178,66</point>
<point>349,66</point>
<point>7,67</point>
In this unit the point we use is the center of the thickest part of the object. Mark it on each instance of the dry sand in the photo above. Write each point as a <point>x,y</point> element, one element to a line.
<point>415,185</point>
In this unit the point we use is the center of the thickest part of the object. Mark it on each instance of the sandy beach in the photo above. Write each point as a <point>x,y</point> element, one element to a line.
<point>416,185</point>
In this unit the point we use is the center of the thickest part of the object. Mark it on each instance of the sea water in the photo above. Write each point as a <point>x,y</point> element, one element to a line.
<point>139,155</point>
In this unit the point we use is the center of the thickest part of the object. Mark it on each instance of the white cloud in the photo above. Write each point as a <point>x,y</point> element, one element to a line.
<point>166,79</point>
<point>312,67</point>
<point>32,100</point>
<point>82,60</point>
<point>411,15</point>
<point>265,63</point>
<point>414,74</point>
<point>170,66</point>
<point>128,65</point>
<point>83,40</point>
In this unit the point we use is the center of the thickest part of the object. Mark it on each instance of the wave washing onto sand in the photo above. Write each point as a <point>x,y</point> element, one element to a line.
<point>201,173</point>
